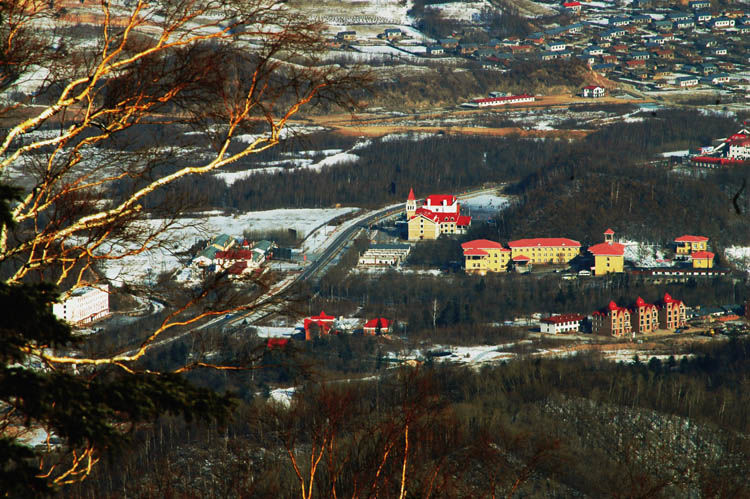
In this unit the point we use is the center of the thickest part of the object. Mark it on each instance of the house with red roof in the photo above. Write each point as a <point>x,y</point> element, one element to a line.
<point>594,91</point>
<point>609,256</point>
<point>703,259</point>
<point>644,317</point>
<point>323,323</point>
<point>545,250</point>
<point>672,313</point>
<point>482,256</point>
<point>688,244</point>
<point>378,325</point>
<point>612,320</point>
<point>561,324</point>
<point>439,214</point>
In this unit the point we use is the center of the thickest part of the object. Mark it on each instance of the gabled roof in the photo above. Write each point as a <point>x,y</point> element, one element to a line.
<point>378,322</point>
<point>475,252</point>
<point>557,319</point>
<point>612,307</point>
<point>607,249</point>
<point>438,199</point>
<point>640,302</point>
<point>609,232</point>
<point>411,195</point>
<point>482,244</point>
<point>521,258</point>
<point>322,317</point>
<point>544,241</point>
<point>703,255</point>
<point>691,239</point>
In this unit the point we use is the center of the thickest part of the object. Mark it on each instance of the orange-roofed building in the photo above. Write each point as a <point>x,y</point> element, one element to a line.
<point>703,260</point>
<point>609,256</point>
<point>690,244</point>
<point>644,317</point>
<point>543,250</point>
<point>482,256</point>
<point>672,313</point>
<point>612,320</point>
<point>378,325</point>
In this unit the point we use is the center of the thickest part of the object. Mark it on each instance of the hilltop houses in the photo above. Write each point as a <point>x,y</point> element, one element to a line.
<point>641,318</point>
<point>482,256</point>
<point>439,214</point>
<point>733,150</point>
<point>224,254</point>
<point>672,313</point>
<point>644,317</point>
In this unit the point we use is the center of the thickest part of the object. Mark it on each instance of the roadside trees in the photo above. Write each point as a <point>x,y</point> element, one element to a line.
<point>91,102</point>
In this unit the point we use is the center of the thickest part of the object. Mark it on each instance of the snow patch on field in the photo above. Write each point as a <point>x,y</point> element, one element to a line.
<point>181,235</point>
<point>739,256</point>
<point>643,254</point>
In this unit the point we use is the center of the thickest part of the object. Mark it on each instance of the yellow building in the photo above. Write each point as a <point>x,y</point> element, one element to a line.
<point>690,244</point>
<point>703,260</point>
<point>542,250</point>
<point>482,256</point>
<point>440,214</point>
<point>609,256</point>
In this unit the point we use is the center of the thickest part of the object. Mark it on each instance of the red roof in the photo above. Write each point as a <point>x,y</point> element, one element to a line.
<point>235,255</point>
<point>440,218</point>
<point>237,268</point>
<point>521,258</point>
<point>591,87</point>
<point>411,195</point>
<point>463,221</point>
<point>543,241</point>
<point>482,243</point>
<point>691,239</point>
<point>640,302</point>
<point>609,232</point>
<point>475,252</point>
<point>379,322</point>
<point>277,342</point>
<point>703,255</point>
<point>668,299</point>
<point>557,319</point>
<point>611,307</point>
<point>571,4</point>
<point>437,199</point>
<point>607,249</point>
<point>720,161</point>
<point>323,317</point>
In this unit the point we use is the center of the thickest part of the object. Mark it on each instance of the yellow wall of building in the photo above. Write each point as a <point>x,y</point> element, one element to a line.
<point>495,261</point>
<point>608,264</point>
<point>422,228</point>
<point>703,263</point>
<point>546,254</point>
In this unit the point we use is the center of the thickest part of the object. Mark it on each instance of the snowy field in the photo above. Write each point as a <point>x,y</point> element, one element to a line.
<point>187,231</point>
<point>643,254</point>
<point>739,256</point>
<point>484,206</point>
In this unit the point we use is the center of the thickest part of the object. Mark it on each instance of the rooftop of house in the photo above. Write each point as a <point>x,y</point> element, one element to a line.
<point>607,249</point>
<point>691,239</point>
<point>482,244</point>
<point>544,242</point>
<point>558,319</point>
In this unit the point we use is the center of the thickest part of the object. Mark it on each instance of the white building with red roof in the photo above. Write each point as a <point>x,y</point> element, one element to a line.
<point>545,250</point>
<point>561,324</point>
<point>594,91</point>
<point>379,325</point>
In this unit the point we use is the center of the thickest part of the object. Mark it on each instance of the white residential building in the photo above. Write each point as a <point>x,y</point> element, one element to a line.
<point>84,305</point>
<point>561,324</point>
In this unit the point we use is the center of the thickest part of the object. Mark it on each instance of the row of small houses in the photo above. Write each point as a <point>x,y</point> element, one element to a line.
<point>667,314</point>
<point>613,320</point>
<point>235,257</point>
<point>324,324</point>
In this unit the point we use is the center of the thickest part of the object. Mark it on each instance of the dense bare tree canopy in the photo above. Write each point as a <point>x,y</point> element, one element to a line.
<point>89,96</point>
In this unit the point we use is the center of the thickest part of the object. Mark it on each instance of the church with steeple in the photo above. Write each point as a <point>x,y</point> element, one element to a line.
<point>439,214</point>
